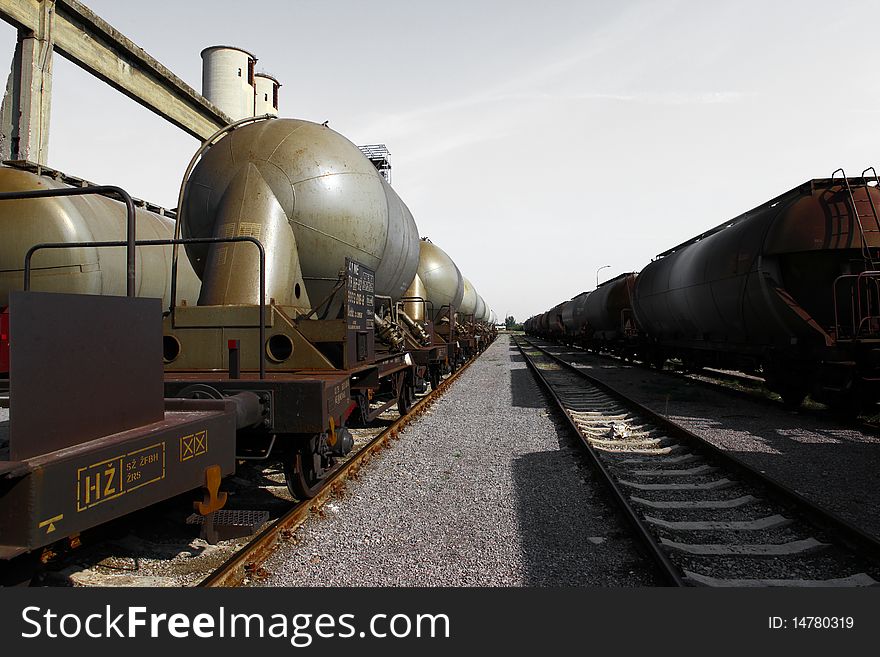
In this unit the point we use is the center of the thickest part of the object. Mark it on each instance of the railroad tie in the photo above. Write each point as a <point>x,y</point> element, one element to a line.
<point>769,522</point>
<point>696,504</point>
<point>592,408</point>
<point>718,484</point>
<point>859,579</point>
<point>599,416</point>
<point>614,447</point>
<point>626,442</point>
<point>803,546</point>
<point>660,459</point>
<point>686,472</point>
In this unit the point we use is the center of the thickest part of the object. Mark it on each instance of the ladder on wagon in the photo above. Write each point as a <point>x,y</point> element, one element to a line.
<point>857,296</point>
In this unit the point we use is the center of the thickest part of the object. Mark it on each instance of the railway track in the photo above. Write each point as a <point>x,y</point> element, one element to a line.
<point>246,562</point>
<point>742,386</point>
<point>706,518</point>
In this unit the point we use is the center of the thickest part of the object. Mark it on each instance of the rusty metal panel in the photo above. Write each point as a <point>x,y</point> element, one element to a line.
<point>83,367</point>
<point>77,488</point>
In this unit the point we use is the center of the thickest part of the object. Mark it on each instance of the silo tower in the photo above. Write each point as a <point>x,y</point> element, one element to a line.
<point>266,94</point>
<point>228,80</point>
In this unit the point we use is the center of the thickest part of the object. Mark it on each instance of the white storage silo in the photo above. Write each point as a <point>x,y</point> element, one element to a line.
<point>228,80</point>
<point>265,94</point>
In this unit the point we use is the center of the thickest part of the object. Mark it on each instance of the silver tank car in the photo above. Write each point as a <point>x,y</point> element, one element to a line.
<point>442,280</point>
<point>25,223</point>
<point>479,309</point>
<point>468,299</point>
<point>312,198</point>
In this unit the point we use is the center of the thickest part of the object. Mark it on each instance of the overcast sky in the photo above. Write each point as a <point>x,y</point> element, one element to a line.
<point>533,141</point>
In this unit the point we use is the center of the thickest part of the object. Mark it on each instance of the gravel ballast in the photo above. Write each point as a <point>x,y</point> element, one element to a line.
<point>483,490</point>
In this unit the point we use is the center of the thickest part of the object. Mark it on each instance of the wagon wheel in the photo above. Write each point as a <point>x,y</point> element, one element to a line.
<point>405,398</point>
<point>793,397</point>
<point>792,391</point>
<point>200,391</point>
<point>303,473</point>
<point>848,407</point>
<point>434,373</point>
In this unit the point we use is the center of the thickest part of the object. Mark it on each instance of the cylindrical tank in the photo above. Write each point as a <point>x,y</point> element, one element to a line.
<point>479,309</point>
<point>574,319</point>
<point>556,326</point>
<point>468,300</point>
<point>82,219</point>
<point>608,307</point>
<point>544,324</point>
<point>444,284</point>
<point>265,94</point>
<point>312,198</point>
<point>228,80</point>
<point>765,278</point>
<point>568,317</point>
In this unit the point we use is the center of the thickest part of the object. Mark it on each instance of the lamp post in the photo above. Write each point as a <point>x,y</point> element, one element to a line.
<point>597,273</point>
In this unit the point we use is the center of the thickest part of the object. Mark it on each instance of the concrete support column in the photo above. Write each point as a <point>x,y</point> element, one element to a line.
<point>24,117</point>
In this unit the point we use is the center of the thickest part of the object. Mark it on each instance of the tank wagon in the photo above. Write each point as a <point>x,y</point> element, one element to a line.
<point>81,219</point>
<point>344,268</point>
<point>790,289</point>
<point>435,295</point>
<point>87,218</point>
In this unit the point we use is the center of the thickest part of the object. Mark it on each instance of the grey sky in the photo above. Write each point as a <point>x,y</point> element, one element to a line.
<point>533,141</point>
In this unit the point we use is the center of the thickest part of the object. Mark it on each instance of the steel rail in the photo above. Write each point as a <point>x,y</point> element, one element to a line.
<point>753,387</point>
<point>248,559</point>
<point>860,542</point>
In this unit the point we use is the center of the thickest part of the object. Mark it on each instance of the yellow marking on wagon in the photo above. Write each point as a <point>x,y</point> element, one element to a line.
<point>114,477</point>
<point>51,522</point>
<point>195,444</point>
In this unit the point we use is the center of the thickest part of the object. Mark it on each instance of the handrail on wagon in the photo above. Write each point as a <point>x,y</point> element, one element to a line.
<point>102,190</point>
<point>167,242</point>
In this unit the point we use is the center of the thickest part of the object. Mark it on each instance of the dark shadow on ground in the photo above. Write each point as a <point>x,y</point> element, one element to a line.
<point>525,391</point>
<point>571,531</point>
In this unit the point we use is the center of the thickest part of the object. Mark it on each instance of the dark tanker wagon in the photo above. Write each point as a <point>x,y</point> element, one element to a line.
<point>607,311</point>
<point>572,319</point>
<point>556,322</point>
<point>789,286</point>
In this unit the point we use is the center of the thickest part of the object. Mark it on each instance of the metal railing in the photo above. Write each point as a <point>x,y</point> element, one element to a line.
<point>130,246</point>
<point>864,306</point>
<point>866,248</point>
<point>102,190</point>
